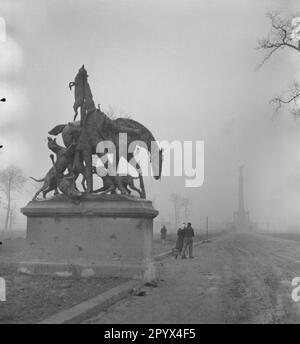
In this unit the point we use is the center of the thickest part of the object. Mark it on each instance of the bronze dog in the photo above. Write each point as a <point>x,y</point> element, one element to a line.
<point>66,184</point>
<point>64,160</point>
<point>110,183</point>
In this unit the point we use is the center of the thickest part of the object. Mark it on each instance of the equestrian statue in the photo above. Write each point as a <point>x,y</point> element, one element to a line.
<point>94,128</point>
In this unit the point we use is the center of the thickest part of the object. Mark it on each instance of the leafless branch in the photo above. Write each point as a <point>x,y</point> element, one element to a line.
<point>290,98</point>
<point>278,38</point>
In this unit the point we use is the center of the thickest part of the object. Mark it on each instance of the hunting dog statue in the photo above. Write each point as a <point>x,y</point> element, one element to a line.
<point>64,160</point>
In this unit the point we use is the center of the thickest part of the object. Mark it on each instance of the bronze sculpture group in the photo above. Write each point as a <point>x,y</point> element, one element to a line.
<point>81,139</point>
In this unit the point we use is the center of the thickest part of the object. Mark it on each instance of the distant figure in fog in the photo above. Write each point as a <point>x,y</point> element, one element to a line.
<point>188,241</point>
<point>179,241</point>
<point>163,234</point>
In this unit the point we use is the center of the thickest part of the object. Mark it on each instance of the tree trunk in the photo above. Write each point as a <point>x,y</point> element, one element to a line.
<point>11,220</point>
<point>7,217</point>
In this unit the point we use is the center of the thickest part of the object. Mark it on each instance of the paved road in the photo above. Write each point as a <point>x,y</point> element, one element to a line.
<point>238,278</point>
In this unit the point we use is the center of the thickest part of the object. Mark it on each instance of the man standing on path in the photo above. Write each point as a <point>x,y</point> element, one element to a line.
<point>179,241</point>
<point>163,234</point>
<point>188,241</point>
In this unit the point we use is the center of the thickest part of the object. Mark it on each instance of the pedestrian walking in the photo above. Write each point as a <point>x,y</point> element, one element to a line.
<point>188,241</point>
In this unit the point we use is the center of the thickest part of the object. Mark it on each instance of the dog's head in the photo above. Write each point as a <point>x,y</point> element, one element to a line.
<point>52,144</point>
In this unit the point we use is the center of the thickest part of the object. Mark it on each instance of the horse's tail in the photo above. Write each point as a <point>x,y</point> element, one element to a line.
<point>156,154</point>
<point>38,180</point>
<point>142,185</point>
<point>57,129</point>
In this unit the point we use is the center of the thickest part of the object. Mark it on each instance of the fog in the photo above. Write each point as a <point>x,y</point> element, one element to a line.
<point>185,69</point>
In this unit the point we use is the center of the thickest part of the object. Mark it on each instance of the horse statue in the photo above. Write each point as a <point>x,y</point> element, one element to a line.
<point>95,126</point>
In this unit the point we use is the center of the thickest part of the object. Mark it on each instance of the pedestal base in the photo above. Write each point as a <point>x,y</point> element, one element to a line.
<point>109,235</point>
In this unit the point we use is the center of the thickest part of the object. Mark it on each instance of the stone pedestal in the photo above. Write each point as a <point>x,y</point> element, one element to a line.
<point>106,235</point>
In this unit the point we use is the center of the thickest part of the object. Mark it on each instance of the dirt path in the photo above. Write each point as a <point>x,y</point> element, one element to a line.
<point>238,278</point>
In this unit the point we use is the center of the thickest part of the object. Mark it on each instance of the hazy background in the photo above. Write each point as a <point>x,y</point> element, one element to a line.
<point>185,69</point>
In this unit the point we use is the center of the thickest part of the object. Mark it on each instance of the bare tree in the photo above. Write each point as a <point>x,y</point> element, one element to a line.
<point>12,181</point>
<point>282,36</point>
<point>12,218</point>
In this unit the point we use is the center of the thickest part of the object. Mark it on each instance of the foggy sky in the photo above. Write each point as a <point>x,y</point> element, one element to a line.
<point>185,69</point>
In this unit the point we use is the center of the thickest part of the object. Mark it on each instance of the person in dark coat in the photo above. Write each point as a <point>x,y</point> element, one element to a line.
<point>163,234</point>
<point>179,241</point>
<point>188,241</point>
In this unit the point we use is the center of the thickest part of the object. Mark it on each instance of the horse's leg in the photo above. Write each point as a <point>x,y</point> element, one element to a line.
<point>78,167</point>
<point>87,157</point>
<point>142,186</point>
<point>135,164</point>
<point>72,173</point>
<point>118,179</point>
<point>74,176</point>
<point>77,160</point>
